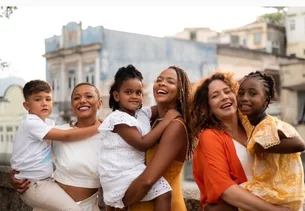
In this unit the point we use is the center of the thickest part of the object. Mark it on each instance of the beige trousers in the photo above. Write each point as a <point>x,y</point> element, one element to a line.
<point>47,195</point>
<point>89,204</point>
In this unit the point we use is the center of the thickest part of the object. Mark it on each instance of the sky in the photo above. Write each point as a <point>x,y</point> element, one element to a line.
<point>22,36</point>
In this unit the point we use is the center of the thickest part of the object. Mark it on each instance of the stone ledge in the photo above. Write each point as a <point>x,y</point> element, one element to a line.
<point>10,201</point>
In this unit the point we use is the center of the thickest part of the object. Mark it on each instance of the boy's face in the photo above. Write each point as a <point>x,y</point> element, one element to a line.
<point>40,104</point>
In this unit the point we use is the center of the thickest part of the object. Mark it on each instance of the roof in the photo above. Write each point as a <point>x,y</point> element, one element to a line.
<point>247,26</point>
<point>6,82</point>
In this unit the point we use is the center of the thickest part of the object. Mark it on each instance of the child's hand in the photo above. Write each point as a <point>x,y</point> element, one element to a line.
<point>170,115</point>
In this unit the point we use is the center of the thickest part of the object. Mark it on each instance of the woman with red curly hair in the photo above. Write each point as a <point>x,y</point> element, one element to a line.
<point>221,161</point>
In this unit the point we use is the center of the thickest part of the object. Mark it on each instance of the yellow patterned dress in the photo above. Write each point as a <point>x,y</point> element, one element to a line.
<point>277,178</point>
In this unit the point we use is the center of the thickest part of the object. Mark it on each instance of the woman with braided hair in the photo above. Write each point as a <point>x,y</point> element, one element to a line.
<point>278,175</point>
<point>166,158</point>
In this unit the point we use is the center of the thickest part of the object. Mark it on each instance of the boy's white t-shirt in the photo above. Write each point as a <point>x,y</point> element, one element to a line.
<point>31,154</point>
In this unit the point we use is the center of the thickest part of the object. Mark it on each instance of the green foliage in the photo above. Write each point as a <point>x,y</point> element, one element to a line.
<point>274,18</point>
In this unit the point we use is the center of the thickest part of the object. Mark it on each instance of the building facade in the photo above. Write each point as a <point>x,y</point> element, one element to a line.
<point>196,34</point>
<point>261,36</point>
<point>95,54</point>
<point>295,31</point>
<point>11,113</point>
<point>293,95</point>
<point>242,61</point>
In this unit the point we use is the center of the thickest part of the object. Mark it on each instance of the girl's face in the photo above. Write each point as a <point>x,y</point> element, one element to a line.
<point>85,102</point>
<point>130,95</point>
<point>222,100</point>
<point>166,87</point>
<point>252,99</point>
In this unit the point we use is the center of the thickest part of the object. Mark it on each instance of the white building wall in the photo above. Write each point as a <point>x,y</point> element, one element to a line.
<point>297,33</point>
<point>11,113</point>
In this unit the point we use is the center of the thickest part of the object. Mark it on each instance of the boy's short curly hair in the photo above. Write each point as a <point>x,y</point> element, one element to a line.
<point>35,86</point>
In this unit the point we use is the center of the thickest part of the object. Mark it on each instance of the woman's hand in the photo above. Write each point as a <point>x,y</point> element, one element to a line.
<point>282,209</point>
<point>19,185</point>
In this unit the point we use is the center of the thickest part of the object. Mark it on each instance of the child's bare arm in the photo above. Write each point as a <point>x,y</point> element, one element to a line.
<point>133,137</point>
<point>75,134</point>
<point>154,112</point>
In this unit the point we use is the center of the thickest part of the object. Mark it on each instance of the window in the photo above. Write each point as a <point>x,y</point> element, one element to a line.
<point>89,73</point>
<point>9,128</point>
<point>71,79</point>
<point>292,55</point>
<point>193,36</point>
<point>292,25</point>
<point>244,42</point>
<point>2,138</point>
<point>257,37</point>
<point>72,82</point>
<point>1,128</point>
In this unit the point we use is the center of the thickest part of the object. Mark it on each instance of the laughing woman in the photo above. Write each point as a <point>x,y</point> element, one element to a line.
<point>77,162</point>
<point>171,91</point>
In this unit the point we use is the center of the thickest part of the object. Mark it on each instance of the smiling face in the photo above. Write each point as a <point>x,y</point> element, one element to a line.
<point>40,104</point>
<point>166,87</point>
<point>252,99</point>
<point>222,100</point>
<point>85,101</point>
<point>130,95</point>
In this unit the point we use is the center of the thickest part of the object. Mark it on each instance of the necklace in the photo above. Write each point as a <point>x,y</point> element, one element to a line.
<point>159,119</point>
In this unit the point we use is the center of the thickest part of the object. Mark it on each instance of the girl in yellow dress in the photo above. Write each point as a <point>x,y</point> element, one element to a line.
<point>278,175</point>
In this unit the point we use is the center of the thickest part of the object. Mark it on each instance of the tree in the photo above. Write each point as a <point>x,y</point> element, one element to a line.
<point>6,12</point>
<point>277,18</point>
<point>274,18</point>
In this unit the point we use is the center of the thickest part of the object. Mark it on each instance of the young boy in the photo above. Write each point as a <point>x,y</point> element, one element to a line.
<point>31,154</point>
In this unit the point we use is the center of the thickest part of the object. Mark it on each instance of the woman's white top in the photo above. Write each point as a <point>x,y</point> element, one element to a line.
<point>77,162</point>
<point>119,162</point>
<point>245,158</point>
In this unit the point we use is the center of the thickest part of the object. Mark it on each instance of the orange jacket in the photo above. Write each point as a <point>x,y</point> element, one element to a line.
<point>215,165</point>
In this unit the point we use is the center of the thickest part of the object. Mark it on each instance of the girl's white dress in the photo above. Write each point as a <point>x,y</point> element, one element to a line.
<point>120,163</point>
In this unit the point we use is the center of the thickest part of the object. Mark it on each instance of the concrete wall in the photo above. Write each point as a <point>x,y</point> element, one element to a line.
<point>10,201</point>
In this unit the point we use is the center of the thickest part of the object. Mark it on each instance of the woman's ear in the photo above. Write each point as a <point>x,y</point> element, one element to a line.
<point>100,104</point>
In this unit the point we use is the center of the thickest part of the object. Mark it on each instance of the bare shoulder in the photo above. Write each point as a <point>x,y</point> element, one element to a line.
<point>177,123</point>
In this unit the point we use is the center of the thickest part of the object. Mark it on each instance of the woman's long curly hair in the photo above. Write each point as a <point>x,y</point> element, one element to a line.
<point>201,116</point>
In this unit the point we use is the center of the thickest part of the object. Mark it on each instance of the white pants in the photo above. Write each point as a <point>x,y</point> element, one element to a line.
<point>89,204</point>
<point>47,195</point>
